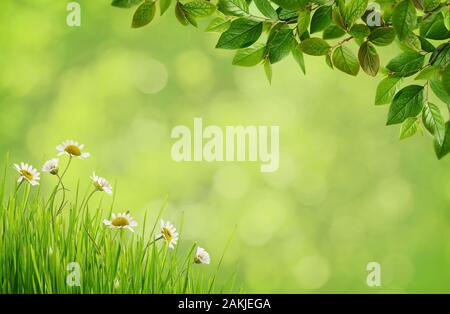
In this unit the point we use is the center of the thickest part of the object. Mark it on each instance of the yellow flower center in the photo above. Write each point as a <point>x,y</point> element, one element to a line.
<point>120,222</point>
<point>167,234</point>
<point>73,150</point>
<point>26,174</point>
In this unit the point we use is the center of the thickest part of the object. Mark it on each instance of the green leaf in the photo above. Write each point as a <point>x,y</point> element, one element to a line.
<point>345,60</point>
<point>333,32</point>
<point>411,43</point>
<point>444,149</point>
<point>433,27</point>
<point>286,15</point>
<point>439,91</point>
<point>409,128</point>
<point>218,24</point>
<point>180,14</point>
<point>315,47</point>
<point>233,7</point>
<point>164,5</point>
<point>321,19</point>
<point>298,56</point>
<point>266,9</point>
<point>427,73</point>
<point>354,10</point>
<point>291,4</point>
<point>144,14</point>
<point>338,19</point>
<point>279,44</point>
<point>191,19</point>
<point>408,102</point>
<point>125,3</point>
<point>430,5</point>
<point>441,56</point>
<point>404,18</point>
<point>446,14</point>
<point>446,79</point>
<point>406,64</point>
<point>241,34</point>
<point>386,90</point>
<point>250,56</point>
<point>199,8</point>
<point>268,71</point>
<point>433,121</point>
<point>304,18</point>
<point>369,59</point>
<point>359,31</point>
<point>426,45</point>
<point>382,36</point>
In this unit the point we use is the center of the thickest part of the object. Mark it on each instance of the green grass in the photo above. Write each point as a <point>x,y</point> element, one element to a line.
<point>37,245</point>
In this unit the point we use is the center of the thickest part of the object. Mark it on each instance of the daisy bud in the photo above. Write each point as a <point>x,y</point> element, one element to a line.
<point>51,166</point>
<point>201,256</point>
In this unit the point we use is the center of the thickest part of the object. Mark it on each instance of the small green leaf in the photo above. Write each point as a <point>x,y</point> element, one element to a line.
<point>266,9</point>
<point>144,14</point>
<point>279,44</point>
<point>291,4</point>
<point>441,56</point>
<point>446,79</point>
<point>338,19</point>
<point>199,8</point>
<point>250,56</point>
<point>286,15</point>
<point>164,5</point>
<point>315,47</point>
<point>218,24</point>
<point>354,10</point>
<point>444,149</point>
<point>409,128</point>
<point>439,91</point>
<point>382,36</point>
<point>404,18</point>
<point>345,60</point>
<point>333,32</point>
<point>233,7</point>
<point>430,5</point>
<point>180,14</point>
<point>446,13</point>
<point>304,18</point>
<point>386,90</point>
<point>298,56</point>
<point>408,102</point>
<point>241,34</point>
<point>426,45</point>
<point>359,31</point>
<point>433,121</point>
<point>433,27</point>
<point>329,62</point>
<point>321,19</point>
<point>369,59</point>
<point>406,64</point>
<point>125,3</point>
<point>427,73</point>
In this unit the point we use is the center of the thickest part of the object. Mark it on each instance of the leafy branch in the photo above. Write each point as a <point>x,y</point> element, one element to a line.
<point>263,32</point>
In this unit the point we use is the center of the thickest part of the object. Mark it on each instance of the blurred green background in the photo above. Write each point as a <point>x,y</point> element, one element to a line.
<point>347,192</point>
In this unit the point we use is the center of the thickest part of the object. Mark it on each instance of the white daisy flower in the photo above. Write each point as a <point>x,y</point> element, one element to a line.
<point>51,166</point>
<point>28,173</point>
<point>72,148</point>
<point>101,184</point>
<point>202,257</point>
<point>169,233</point>
<point>121,221</point>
